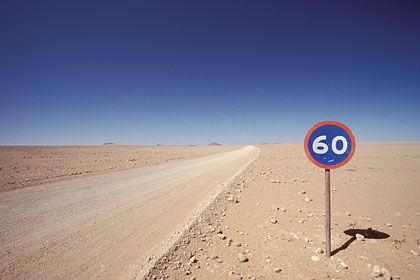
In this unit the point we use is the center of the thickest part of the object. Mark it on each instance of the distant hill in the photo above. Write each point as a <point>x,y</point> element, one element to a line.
<point>108,143</point>
<point>214,144</point>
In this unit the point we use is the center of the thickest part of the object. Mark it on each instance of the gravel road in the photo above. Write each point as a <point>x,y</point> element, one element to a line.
<point>104,226</point>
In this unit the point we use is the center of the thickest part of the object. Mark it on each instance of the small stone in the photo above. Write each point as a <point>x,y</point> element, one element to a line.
<point>315,258</point>
<point>233,199</point>
<point>343,264</point>
<point>398,214</point>
<point>282,209</point>
<point>348,213</point>
<point>308,199</point>
<point>310,215</point>
<point>236,244</point>
<point>360,237</point>
<point>273,221</point>
<point>380,273</point>
<point>319,250</point>
<point>242,258</point>
<point>221,236</point>
<point>277,270</point>
<point>303,180</point>
<point>388,224</point>
<point>275,181</point>
<point>414,253</point>
<point>193,259</point>
<point>302,192</point>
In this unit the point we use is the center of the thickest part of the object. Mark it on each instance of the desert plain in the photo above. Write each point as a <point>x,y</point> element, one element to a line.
<point>207,212</point>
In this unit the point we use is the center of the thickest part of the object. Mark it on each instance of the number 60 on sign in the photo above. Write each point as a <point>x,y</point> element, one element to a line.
<point>329,144</point>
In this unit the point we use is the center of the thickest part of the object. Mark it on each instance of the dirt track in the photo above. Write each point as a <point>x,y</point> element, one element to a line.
<point>105,225</point>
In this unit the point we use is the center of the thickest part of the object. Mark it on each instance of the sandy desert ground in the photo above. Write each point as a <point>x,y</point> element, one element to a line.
<point>236,217</point>
<point>108,225</point>
<point>23,166</point>
<point>270,223</point>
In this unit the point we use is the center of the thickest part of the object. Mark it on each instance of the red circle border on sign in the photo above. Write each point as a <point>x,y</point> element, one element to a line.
<point>353,144</point>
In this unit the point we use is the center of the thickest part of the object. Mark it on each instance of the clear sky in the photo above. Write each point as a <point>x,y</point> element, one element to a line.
<point>193,72</point>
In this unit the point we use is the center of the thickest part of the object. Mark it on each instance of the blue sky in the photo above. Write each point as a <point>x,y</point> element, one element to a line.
<point>193,72</point>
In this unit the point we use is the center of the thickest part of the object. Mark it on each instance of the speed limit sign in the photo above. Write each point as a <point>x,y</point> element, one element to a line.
<point>329,144</point>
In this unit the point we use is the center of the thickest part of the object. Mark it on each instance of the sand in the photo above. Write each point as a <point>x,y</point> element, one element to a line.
<point>108,225</point>
<point>268,223</point>
<point>276,220</point>
<point>24,166</point>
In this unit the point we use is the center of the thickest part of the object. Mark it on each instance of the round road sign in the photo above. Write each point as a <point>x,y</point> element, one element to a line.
<point>329,144</point>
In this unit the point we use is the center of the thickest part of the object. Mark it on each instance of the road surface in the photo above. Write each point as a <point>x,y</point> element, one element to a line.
<point>103,226</point>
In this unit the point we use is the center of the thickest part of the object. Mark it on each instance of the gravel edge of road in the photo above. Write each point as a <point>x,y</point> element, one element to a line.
<point>213,205</point>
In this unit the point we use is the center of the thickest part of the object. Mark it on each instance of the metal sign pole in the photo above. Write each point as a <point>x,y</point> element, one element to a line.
<point>327,213</point>
<point>329,145</point>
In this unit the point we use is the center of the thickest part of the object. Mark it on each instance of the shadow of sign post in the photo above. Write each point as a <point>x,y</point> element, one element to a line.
<point>367,233</point>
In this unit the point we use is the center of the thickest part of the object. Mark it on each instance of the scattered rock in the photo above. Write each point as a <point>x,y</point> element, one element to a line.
<point>380,273</point>
<point>302,192</point>
<point>360,237</point>
<point>273,220</point>
<point>388,224</point>
<point>236,244</point>
<point>414,253</point>
<point>275,181</point>
<point>315,258</point>
<point>232,198</point>
<point>242,258</point>
<point>319,250</point>
<point>343,264</point>
<point>308,199</point>
<point>277,270</point>
<point>193,259</point>
<point>221,236</point>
